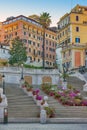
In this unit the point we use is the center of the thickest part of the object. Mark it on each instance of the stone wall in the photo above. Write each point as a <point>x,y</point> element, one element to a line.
<point>34,76</point>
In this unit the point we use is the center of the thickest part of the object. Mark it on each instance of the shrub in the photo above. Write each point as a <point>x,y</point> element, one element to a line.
<point>50,111</point>
<point>56,95</point>
<point>69,86</point>
<point>84,103</point>
<point>77,102</point>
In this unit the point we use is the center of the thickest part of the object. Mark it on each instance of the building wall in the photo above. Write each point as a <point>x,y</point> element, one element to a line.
<point>31,34</point>
<point>13,75</point>
<point>74,32</point>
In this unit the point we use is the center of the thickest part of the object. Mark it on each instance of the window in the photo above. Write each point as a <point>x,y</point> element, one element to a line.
<point>46,48</point>
<point>86,52</point>
<point>46,34</point>
<point>30,58</point>
<point>34,59</point>
<point>49,36</point>
<point>29,41</point>
<point>16,33</point>
<point>38,44</point>
<point>60,34</point>
<point>38,60</point>
<point>77,29</point>
<point>47,62</point>
<point>50,63</point>
<point>33,36</point>
<point>34,51</point>
<point>50,43</point>
<point>29,35</point>
<point>24,40</point>
<point>38,52</point>
<point>52,37</point>
<point>53,57</point>
<point>47,42</point>
<point>68,40</point>
<point>64,55</point>
<point>46,55</point>
<point>24,33</point>
<point>58,37</point>
<point>77,40</point>
<point>69,52</point>
<point>77,18</point>
<point>29,49</point>
<point>50,56</point>
<point>63,33</point>
<point>33,43</point>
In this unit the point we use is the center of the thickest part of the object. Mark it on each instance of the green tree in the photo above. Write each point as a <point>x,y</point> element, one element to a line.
<point>18,52</point>
<point>45,21</point>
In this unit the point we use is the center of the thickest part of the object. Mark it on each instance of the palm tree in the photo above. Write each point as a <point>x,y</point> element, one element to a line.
<point>45,21</point>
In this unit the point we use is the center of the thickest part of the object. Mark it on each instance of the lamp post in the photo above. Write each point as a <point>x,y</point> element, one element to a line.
<point>3,78</point>
<point>64,77</point>
<point>64,73</point>
<point>22,77</point>
<point>22,72</point>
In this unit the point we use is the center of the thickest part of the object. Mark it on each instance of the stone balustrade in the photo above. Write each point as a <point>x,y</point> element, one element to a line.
<point>38,76</point>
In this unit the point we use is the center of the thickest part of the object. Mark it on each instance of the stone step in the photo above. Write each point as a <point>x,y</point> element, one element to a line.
<point>19,104</point>
<point>66,111</point>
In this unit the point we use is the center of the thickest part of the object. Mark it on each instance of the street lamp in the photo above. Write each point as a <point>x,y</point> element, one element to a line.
<point>22,77</point>
<point>3,78</point>
<point>64,77</point>
<point>64,73</point>
<point>22,72</point>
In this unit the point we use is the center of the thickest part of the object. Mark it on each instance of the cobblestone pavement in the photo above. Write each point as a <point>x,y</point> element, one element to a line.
<point>43,126</point>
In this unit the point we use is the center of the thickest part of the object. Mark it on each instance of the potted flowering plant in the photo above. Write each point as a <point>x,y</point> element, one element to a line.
<point>29,90</point>
<point>35,93</point>
<point>24,85</point>
<point>39,100</point>
<point>50,112</point>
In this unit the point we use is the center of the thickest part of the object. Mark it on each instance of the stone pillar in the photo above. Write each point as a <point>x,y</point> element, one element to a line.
<point>64,85</point>
<point>43,116</point>
<point>85,90</point>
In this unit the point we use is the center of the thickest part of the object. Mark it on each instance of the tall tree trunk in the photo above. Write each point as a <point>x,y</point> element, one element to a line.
<point>43,48</point>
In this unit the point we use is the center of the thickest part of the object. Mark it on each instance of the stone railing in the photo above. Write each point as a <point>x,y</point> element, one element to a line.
<point>13,75</point>
<point>3,105</point>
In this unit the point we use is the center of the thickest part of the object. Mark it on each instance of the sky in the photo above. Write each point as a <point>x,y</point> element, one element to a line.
<point>56,8</point>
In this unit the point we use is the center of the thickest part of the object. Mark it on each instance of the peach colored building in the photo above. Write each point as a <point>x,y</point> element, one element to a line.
<point>31,33</point>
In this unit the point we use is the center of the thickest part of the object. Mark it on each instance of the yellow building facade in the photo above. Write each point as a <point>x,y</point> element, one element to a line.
<point>72,37</point>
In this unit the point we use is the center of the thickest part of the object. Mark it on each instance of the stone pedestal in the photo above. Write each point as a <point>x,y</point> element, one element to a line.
<point>45,99</point>
<point>85,90</point>
<point>64,85</point>
<point>85,87</point>
<point>39,102</point>
<point>3,105</point>
<point>43,117</point>
<point>29,93</point>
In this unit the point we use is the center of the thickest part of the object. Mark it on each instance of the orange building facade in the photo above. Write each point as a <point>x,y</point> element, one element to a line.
<point>31,33</point>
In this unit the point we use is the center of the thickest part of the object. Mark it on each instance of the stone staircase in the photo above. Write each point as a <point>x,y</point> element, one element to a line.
<point>66,111</point>
<point>19,104</point>
<point>76,82</point>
